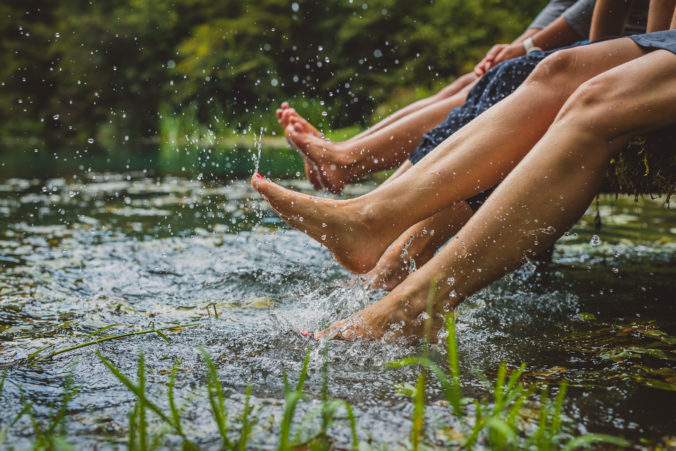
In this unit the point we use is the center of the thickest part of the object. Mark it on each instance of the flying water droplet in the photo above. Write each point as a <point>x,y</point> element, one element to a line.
<point>595,241</point>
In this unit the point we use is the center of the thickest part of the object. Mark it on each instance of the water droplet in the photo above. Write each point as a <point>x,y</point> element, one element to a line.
<point>90,140</point>
<point>295,7</point>
<point>595,241</point>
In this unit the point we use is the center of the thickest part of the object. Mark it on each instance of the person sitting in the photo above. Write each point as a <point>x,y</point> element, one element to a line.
<point>418,244</point>
<point>331,165</point>
<point>581,105</point>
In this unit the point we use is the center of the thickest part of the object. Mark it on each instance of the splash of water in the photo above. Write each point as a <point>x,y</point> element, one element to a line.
<point>258,142</point>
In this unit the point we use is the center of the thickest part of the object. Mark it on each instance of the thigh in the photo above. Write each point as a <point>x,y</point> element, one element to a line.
<point>632,98</point>
<point>567,69</point>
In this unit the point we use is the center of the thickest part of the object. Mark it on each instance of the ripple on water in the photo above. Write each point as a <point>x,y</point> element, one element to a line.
<point>139,253</point>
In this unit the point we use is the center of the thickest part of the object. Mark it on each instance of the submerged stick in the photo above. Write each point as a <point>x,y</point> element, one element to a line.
<point>157,331</point>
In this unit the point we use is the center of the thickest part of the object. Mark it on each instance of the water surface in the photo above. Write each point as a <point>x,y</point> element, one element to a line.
<point>81,253</point>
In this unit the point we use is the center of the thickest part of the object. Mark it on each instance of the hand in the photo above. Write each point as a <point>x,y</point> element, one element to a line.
<point>486,63</point>
<point>509,52</point>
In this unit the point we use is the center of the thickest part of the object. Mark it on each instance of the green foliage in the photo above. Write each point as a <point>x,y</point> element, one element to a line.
<point>494,423</point>
<point>75,71</point>
<point>497,423</point>
<point>646,165</point>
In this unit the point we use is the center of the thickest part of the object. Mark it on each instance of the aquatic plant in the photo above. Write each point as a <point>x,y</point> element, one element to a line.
<point>52,433</point>
<point>494,423</point>
<point>158,331</point>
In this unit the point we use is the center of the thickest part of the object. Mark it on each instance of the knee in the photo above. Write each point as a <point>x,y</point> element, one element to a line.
<point>591,107</point>
<point>556,65</point>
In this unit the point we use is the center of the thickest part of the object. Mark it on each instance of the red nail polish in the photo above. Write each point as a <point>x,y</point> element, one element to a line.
<point>305,334</point>
<point>257,175</point>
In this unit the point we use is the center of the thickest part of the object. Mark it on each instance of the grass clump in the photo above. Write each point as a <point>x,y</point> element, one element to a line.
<point>494,423</point>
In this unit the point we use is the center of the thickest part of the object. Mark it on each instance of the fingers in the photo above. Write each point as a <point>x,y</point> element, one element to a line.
<point>497,48</point>
<point>489,60</point>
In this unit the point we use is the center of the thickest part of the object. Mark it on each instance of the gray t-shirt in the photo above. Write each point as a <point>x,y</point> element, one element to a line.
<point>550,13</point>
<point>579,14</point>
<point>579,17</point>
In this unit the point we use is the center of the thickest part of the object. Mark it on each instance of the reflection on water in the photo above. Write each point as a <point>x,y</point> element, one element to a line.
<point>77,255</point>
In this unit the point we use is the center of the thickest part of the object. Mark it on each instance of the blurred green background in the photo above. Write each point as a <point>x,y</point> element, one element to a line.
<point>177,82</point>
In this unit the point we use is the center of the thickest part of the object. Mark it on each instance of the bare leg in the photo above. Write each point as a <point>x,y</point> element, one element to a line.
<point>285,113</point>
<point>342,163</point>
<point>475,158</point>
<point>544,195</point>
<point>417,246</point>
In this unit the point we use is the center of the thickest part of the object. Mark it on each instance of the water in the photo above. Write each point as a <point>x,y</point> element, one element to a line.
<point>82,253</point>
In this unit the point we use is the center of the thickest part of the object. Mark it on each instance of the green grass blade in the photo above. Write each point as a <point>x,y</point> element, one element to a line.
<point>2,382</point>
<point>327,409</point>
<point>291,401</point>
<point>418,412</point>
<point>303,371</point>
<point>518,404</point>
<point>142,424</point>
<point>540,433</point>
<point>285,380</point>
<point>429,310</point>
<point>353,425</point>
<point>499,392</point>
<point>162,335</point>
<point>133,422</point>
<point>216,399</point>
<point>27,406</point>
<point>175,414</point>
<point>102,329</point>
<point>247,423</point>
<point>513,379</point>
<point>500,434</point>
<point>556,420</point>
<point>134,389</point>
<point>588,439</point>
<point>33,356</point>
<point>479,424</point>
<point>453,364</point>
<point>449,391</point>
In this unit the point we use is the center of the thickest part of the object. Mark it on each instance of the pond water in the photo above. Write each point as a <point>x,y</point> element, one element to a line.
<point>139,252</point>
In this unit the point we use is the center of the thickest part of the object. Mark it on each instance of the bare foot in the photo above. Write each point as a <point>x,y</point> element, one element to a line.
<point>399,314</point>
<point>397,263</point>
<point>417,245</point>
<point>333,167</point>
<point>280,111</point>
<point>312,172</point>
<point>350,232</point>
<point>292,117</point>
<point>286,114</point>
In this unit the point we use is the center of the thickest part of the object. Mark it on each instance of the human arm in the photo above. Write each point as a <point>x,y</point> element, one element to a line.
<point>548,14</point>
<point>610,17</point>
<point>489,60</point>
<point>558,34</point>
<point>660,15</point>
